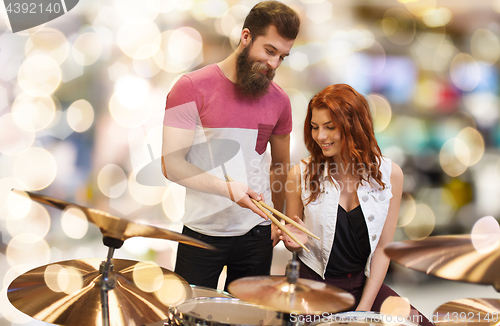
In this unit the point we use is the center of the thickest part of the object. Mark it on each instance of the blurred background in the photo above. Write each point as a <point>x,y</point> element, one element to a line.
<point>82,100</point>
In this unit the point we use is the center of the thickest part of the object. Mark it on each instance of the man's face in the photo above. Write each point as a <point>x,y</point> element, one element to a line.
<point>257,63</point>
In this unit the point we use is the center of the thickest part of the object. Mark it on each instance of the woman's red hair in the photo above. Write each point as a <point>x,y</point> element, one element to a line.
<point>350,113</point>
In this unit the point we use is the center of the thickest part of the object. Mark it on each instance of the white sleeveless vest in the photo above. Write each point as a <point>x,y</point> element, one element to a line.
<point>320,216</point>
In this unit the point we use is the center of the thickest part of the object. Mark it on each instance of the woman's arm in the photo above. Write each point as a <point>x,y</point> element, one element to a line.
<point>294,209</point>
<point>380,261</point>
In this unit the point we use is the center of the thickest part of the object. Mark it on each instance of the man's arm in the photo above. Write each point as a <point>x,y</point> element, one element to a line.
<point>176,144</point>
<point>280,164</point>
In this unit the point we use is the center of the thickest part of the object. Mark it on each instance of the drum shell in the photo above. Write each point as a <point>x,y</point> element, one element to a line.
<point>220,312</point>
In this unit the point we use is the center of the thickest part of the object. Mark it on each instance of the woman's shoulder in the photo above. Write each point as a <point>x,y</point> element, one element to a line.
<point>396,173</point>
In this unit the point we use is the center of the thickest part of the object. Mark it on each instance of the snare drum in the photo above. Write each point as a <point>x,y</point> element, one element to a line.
<point>220,312</point>
<point>362,318</point>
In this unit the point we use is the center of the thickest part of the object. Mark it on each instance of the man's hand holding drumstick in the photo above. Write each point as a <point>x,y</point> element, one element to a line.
<point>293,232</point>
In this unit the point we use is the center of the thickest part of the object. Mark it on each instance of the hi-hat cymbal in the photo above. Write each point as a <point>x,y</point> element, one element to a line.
<point>304,297</point>
<point>119,228</point>
<point>480,312</point>
<point>68,293</point>
<point>466,258</point>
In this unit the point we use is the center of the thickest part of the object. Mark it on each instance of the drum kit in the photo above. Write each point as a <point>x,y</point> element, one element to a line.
<point>116,292</point>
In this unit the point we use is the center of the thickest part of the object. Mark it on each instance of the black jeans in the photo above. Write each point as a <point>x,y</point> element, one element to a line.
<point>246,255</point>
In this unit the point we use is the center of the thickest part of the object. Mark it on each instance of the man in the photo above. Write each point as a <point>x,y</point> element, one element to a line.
<point>218,122</point>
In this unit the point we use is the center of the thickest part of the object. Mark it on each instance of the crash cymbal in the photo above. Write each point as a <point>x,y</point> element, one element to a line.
<point>119,228</point>
<point>304,297</point>
<point>480,312</point>
<point>452,257</point>
<point>68,293</point>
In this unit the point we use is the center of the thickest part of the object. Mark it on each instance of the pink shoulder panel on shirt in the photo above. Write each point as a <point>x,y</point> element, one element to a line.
<point>183,116</point>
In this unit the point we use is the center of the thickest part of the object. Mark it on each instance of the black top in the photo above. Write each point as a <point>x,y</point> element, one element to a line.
<point>351,246</point>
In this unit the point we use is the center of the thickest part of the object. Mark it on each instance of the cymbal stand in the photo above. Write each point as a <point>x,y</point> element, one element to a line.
<point>292,276</point>
<point>108,278</point>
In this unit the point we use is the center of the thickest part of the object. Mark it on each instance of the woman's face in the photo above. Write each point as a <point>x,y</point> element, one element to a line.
<point>324,133</point>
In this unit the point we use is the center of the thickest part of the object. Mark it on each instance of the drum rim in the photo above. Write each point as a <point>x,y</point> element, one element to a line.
<point>365,314</point>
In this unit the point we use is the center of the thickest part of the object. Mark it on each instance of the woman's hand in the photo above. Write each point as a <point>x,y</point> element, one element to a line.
<point>301,236</point>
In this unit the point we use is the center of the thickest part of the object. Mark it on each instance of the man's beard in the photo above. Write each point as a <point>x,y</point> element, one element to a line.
<point>249,75</point>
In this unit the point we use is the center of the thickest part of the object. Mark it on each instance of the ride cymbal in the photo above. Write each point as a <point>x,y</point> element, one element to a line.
<point>480,312</point>
<point>119,228</point>
<point>466,258</point>
<point>304,297</point>
<point>69,293</point>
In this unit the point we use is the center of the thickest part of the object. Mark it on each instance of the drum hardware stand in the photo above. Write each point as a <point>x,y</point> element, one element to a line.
<point>108,278</point>
<point>292,276</point>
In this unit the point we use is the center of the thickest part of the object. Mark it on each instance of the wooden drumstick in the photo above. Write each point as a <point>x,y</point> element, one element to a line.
<point>275,220</point>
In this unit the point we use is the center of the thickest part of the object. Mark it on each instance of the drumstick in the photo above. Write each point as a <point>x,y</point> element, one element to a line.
<point>283,216</point>
<point>274,220</point>
<point>278,224</point>
<point>287,219</point>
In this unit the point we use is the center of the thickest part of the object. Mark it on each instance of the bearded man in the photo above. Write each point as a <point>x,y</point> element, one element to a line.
<point>219,121</point>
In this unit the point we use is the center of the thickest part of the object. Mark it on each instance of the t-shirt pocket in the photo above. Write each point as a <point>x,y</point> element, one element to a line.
<point>263,135</point>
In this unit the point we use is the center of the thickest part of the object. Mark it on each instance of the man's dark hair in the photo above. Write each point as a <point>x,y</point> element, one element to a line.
<point>267,13</point>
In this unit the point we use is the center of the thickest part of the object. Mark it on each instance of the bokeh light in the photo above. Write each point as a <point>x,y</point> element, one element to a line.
<point>39,75</point>
<point>173,204</point>
<point>13,139</point>
<point>452,153</point>
<point>87,48</point>
<point>146,195</point>
<point>18,204</point>
<point>35,224</point>
<point>437,17</point>
<point>473,146</point>
<point>148,276</point>
<point>381,111</point>
<point>33,113</point>
<point>465,72</point>
<point>185,44</point>
<point>232,19</point>
<point>63,279</point>
<point>112,181</point>
<point>172,292</point>
<point>36,168</point>
<point>485,46</point>
<point>48,41</point>
<point>419,8</point>
<point>139,40</point>
<point>485,234</point>
<point>399,26</point>
<point>74,222</point>
<point>131,12</point>
<point>25,249</point>
<point>407,210</point>
<point>395,306</point>
<point>80,115</point>
<point>422,224</point>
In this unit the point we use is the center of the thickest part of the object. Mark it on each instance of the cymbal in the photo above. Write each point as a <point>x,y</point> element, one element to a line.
<point>480,312</point>
<point>304,297</point>
<point>68,293</point>
<point>452,257</point>
<point>119,228</point>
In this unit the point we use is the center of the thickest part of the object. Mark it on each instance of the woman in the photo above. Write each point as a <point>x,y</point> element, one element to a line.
<point>348,194</point>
